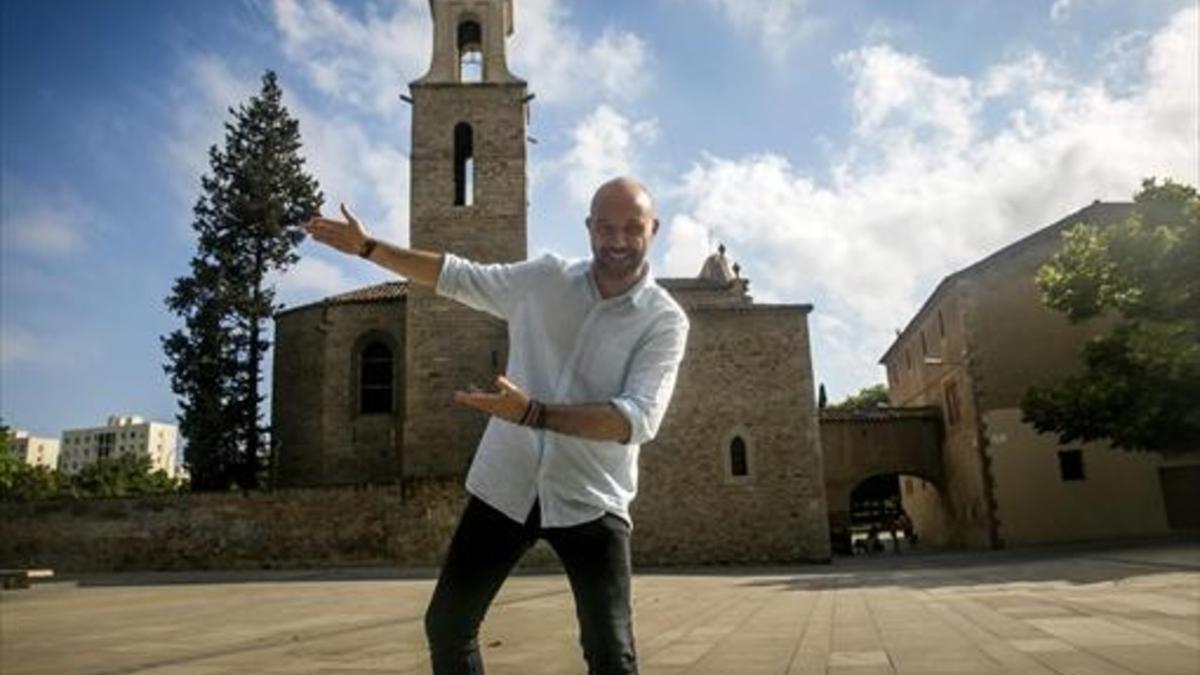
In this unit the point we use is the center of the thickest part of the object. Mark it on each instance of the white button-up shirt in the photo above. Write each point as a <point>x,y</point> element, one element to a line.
<point>567,345</point>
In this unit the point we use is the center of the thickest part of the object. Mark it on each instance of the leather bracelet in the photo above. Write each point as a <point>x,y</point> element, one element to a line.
<point>534,415</point>
<point>367,247</point>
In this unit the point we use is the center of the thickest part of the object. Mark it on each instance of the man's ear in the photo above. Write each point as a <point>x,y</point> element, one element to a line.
<point>587,222</point>
<point>654,230</point>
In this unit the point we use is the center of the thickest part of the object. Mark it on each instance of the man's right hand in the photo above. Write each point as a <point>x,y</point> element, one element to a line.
<point>346,235</point>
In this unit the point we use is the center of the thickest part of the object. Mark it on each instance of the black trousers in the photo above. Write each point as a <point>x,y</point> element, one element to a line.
<point>485,548</point>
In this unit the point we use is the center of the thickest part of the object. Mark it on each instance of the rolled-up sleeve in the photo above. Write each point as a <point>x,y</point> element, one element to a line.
<point>491,288</point>
<point>651,379</point>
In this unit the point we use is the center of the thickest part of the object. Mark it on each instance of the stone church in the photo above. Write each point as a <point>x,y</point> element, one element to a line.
<point>363,381</point>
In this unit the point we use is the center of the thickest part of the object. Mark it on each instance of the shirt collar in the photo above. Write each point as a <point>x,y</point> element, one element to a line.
<point>636,294</point>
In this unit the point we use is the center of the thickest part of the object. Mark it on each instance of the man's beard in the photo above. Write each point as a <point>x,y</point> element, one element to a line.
<point>624,265</point>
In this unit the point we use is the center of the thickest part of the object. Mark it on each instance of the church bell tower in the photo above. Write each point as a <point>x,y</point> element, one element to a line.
<point>467,197</point>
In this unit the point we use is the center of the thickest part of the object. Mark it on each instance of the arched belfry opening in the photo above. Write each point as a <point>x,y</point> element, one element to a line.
<point>470,52</point>
<point>464,165</point>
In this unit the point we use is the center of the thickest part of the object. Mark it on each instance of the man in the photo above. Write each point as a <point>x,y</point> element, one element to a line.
<point>594,349</point>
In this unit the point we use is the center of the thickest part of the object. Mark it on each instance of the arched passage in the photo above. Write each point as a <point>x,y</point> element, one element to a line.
<point>884,512</point>
<point>860,445</point>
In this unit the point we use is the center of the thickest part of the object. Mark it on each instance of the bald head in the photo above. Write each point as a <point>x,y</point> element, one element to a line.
<point>621,225</point>
<point>623,193</point>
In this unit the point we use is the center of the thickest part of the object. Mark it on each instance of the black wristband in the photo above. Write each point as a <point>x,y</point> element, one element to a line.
<point>367,247</point>
<point>534,415</point>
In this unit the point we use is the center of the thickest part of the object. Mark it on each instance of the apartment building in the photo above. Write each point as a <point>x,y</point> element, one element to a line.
<point>34,450</point>
<point>121,435</point>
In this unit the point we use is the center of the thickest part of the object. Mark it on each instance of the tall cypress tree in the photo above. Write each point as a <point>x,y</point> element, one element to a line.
<point>249,219</point>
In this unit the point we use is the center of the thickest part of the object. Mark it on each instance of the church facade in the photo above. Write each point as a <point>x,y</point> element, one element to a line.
<point>363,381</point>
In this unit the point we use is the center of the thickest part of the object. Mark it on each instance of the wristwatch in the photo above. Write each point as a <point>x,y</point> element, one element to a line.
<point>367,247</point>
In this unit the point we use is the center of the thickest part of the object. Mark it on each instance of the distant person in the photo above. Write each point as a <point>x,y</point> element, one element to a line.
<point>594,349</point>
<point>873,543</point>
<point>906,526</point>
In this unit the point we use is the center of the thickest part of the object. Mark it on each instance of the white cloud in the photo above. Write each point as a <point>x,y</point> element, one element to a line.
<point>368,62</point>
<point>898,93</point>
<point>363,62</point>
<point>941,170</point>
<point>47,230</point>
<point>779,25</point>
<point>17,346</point>
<point>605,144</point>
<point>55,348</point>
<point>1061,10</point>
<point>311,278</point>
<point>1058,11</point>
<point>356,164</point>
<point>49,222</point>
<point>552,55</point>
<point>200,104</point>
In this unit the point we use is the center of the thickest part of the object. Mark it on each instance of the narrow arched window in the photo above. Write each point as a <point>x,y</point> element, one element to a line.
<point>470,52</point>
<point>738,464</point>
<point>375,379</point>
<point>464,165</point>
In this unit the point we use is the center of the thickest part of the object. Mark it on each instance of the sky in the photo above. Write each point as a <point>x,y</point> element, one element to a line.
<point>849,154</point>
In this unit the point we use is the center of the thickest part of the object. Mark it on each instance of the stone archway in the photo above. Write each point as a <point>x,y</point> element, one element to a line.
<point>857,445</point>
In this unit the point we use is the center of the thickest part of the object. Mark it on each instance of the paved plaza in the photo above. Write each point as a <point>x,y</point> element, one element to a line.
<point>1077,611</point>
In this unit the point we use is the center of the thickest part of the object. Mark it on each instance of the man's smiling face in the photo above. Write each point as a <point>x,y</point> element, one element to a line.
<point>621,227</point>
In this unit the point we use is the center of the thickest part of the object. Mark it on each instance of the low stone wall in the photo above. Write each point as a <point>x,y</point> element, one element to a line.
<point>407,526</point>
<point>380,525</point>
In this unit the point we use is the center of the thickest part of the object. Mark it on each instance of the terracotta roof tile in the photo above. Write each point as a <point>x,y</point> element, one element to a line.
<point>384,292</point>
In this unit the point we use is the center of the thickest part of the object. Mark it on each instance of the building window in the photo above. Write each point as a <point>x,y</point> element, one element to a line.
<point>375,379</point>
<point>1070,465</point>
<point>924,346</point>
<point>106,445</point>
<point>470,52</point>
<point>907,360</point>
<point>941,325</point>
<point>464,165</point>
<point>951,395</point>
<point>738,462</point>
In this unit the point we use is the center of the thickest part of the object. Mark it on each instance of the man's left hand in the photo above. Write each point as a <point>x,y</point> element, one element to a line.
<point>509,403</point>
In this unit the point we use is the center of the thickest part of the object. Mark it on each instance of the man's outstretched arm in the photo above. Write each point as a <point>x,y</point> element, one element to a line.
<point>349,236</point>
<point>594,421</point>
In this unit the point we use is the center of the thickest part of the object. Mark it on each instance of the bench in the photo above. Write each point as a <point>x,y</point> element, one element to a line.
<point>22,578</point>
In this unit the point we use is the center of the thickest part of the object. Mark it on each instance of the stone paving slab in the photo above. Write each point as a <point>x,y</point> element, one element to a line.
<point>1099,611</point>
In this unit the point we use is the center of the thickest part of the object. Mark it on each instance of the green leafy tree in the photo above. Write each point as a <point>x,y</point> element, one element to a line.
<point>24,482</point>
<point>868,398</point>
<point>249,221</point>
<point>19,481</point>
<point>1139,387</point>
<point>122,476</point>
<point>822,399</point>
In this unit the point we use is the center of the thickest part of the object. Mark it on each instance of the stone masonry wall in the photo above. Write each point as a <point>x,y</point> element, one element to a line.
<point>319,436</point>
<point>746,372</point>
<point>451,346</point>
<point>289,528</point>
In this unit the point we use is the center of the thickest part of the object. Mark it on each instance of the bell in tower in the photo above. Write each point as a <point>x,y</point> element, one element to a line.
<point>467,197</point>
